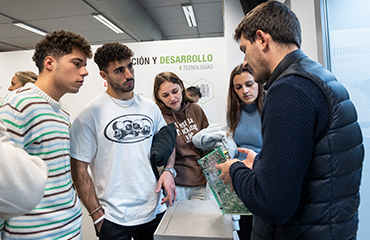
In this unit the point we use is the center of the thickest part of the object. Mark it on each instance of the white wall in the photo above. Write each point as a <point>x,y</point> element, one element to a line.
<point>305,11</point>
<point>233,15</point>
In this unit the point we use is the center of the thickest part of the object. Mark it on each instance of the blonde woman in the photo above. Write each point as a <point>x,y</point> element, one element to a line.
<point>21,78</point>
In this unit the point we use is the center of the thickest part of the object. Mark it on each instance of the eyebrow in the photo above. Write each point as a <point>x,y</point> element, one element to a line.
<point>119,68</point>
<point>78,59</point>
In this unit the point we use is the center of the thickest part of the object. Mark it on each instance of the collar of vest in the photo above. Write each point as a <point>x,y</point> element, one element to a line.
<point>288,60</point>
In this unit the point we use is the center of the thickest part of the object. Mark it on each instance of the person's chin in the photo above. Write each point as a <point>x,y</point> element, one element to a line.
<point>130,88</point>
<point>177,108</point>
<point>174,107</point>
<point>74,90</point>
<point>248,101</point>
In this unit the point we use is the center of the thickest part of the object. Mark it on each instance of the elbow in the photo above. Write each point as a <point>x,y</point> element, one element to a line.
<point>28,196</point>
<point>280,220</point>
<point>279,215</point>
<point>274,211</point>
<point>34,198</point>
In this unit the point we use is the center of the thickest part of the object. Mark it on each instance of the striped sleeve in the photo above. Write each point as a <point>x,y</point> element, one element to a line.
<point>43,131</point>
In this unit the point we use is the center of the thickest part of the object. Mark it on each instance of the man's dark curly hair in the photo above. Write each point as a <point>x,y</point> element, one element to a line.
<point>274,18</point>
<point>57,44</point>
<point>111,52</point>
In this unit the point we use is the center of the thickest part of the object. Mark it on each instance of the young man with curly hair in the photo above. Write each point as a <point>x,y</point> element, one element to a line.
<point>37,122</point>
<point>113,136</point>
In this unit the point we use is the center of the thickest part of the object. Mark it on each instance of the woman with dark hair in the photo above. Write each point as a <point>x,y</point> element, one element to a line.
<point>177,107</point>
<point>244,104</point>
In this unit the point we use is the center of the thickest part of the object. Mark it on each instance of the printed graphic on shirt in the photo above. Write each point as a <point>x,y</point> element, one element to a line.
<point>187,128</point>
<point>129,128</point>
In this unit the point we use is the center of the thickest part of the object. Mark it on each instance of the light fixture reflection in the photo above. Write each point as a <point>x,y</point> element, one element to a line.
<point>189,15</point>
<point>107,23</point>
<point>29,28</point>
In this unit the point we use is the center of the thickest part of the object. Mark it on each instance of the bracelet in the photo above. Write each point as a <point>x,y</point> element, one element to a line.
<point>95,210</point>
<point>99,219</point>
<point>171,170</point>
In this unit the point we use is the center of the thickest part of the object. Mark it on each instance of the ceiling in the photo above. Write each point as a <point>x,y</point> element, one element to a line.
<point>142,20</point>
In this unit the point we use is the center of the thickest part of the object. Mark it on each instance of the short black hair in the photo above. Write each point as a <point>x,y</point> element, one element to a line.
<point>111,52</point>
<point>194,91</point>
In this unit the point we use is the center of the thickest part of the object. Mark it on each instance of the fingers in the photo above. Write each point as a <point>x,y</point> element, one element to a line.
<point>164,200</point>
<point>169,198</point>
<point>98,225</point>
<point>175,196</point>
<point>219,166</point>
<point>227,181</point>
<point>247,151</point>
<point>159,186</point>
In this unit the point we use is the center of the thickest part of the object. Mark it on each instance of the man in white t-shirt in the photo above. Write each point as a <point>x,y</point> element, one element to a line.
<point>113,136</point>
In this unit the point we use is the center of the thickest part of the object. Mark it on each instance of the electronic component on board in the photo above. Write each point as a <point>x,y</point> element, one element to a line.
<point>228,201</point>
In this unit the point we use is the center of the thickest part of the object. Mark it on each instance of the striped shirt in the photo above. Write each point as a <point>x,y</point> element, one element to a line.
<point>39,124</point>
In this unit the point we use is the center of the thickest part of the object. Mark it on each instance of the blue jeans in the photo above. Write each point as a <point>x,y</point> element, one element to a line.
<point>112,231</point>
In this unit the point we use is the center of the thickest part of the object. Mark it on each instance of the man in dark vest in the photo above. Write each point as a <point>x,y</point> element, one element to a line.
<point>304,184</point>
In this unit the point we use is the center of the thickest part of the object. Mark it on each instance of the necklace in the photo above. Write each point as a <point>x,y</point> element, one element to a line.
<point>122,105</point>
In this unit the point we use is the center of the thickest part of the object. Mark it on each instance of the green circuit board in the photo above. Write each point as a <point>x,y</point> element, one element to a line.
<point>228,201</point>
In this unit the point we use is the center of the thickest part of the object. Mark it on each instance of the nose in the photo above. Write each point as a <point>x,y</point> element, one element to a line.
<point>245,89</point>
<point>84,72</point>
<point>171,97</point>
<point>10,88</point>
<point>245,61</point>
<point>128,74</point>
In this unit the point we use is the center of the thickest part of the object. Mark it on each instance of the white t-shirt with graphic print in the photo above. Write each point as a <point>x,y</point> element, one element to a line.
<point>116,143</point>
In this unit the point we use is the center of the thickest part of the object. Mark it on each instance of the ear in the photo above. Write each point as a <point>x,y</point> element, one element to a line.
<point>49,63</point>
<point>103,75</point>
<point>263,39</point>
